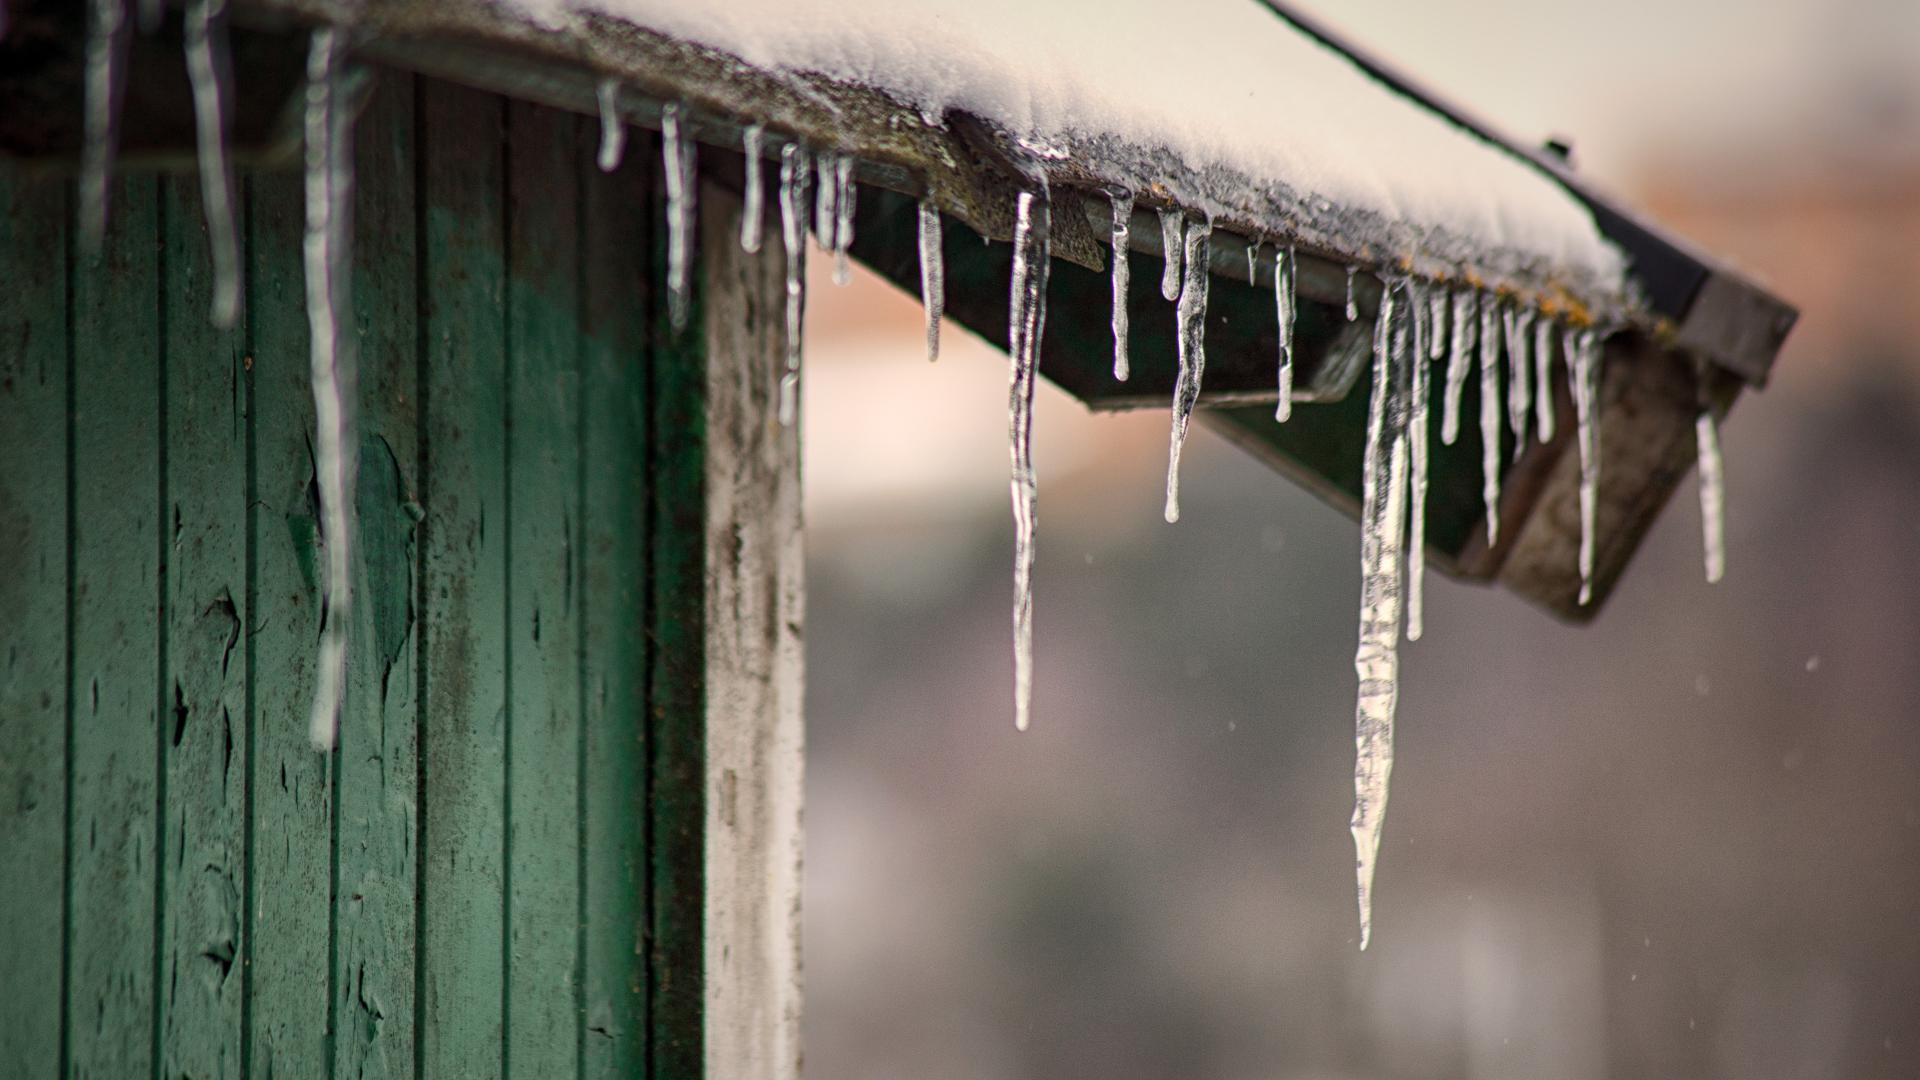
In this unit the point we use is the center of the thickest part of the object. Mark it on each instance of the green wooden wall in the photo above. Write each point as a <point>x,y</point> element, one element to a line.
<point>496,872</point>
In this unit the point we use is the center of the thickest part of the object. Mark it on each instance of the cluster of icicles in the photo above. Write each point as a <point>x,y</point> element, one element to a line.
<point>1418,325</point>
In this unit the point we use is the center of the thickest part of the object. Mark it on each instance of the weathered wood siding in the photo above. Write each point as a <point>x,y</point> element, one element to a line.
<point>499,869</point>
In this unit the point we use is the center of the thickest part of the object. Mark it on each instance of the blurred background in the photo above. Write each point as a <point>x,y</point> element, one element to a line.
<point>1682,842</point>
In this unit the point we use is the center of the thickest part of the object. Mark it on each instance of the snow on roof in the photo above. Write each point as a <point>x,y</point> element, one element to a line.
<point>1224,86</point>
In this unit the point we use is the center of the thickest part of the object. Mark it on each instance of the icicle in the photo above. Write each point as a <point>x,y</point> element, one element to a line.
<point>1713,497</point>
<point>843,200</point>
<point>752,213</point>
<point>1027,317</point>
<point>1376,659</point>
<point>206,63</point>
<point>933,274</point>
<point>1519,320</point>
<point>1353,303</point>
<point>1466,315</point>
<point>825,192</point>
<point>1284,307</point>
<point>105,57</point>
<point>613,133</point>
<point>1436,321</point>
<point>793,233</point>
<point>1191,341</point>
<point>1253,262</point>
<point>1420,298</point>
<point>1543,400</point>
<point>1122,256</point>
<point>1172,226</point>
<point>327,264</point>
<point>679,160</point>
<point>1490,413</point>
<point>1582,353</point>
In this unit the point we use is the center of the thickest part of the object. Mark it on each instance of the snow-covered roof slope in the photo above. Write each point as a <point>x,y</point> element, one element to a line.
<point>1225,87</point>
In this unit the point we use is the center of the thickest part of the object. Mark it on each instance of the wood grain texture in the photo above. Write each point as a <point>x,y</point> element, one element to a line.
<point>753,647</point>
<point>35,486</point>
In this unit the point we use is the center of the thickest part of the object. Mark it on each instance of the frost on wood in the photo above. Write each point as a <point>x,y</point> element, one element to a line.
<point>678,159</point>
<point>933,275</point>
<point>327,264</point>
<point>613,134</point>
<point>206,46</point>
<point>753,212</point>
<point>1713,530</point>
<point>793,233</point>
<point>1026,322</point>
<point>1376,661</point>
<point>1190,340</point>
<point>1122,257</point>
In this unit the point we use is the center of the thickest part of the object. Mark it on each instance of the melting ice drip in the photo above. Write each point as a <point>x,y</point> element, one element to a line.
<point>1518,321</point>
<point>833,210</point>
<point>1286,305</point>
<point>1122,239</point>
<point>1190,339</point>
<point>1172,227</point>
<point>752,213</point>
<point>105,59</point>
<point>1353,303</point>
<point>1713,530</point>
<point>793,233</point>
<point>1582,351</point>
<point>1376,660</point>
<point>1026,321</point>
<point>1490,413</point>
<point>327,262</point>
<point>933,274</point>
<point>1543,378</point>
<point>1460,345</point>
<point>206,42</point>
<point>678,158</point>
<point>613,134</point>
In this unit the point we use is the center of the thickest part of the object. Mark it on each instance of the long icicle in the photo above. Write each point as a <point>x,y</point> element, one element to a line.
<point>613,133</point>
<point>1376,660</point>
<point>1122,271</point>
<point>678,157</point>
<point>1490,413</point>
<point>1026,324</point>
<point>206,46</point>
<point>793,234</point>
<point>1582,352</point>
<point>1284,303</point>
<point>1519,322</point>
<point>844,196</point>
<point>329,184</point>
<point>753,212</point>
<point>1425,335</point>
<point>1191,341</point>
<point>1543,399</point>
<point>933,274</point>
<point>1466,317</point>
<point>100,136</point>
<point>1713,495</point>
<point>1172,227</point>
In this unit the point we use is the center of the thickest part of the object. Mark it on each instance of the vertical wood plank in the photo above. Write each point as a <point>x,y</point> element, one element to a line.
<point>755,566</point>
<point>465,487</point>
<point>543,319</point>
<point>676,788</point>
<point>291,823</point>
<point>374,962</point>
<point>204,686</point>
<point>116,641</point>
<point>617,239</point>
<point>34,487</point>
